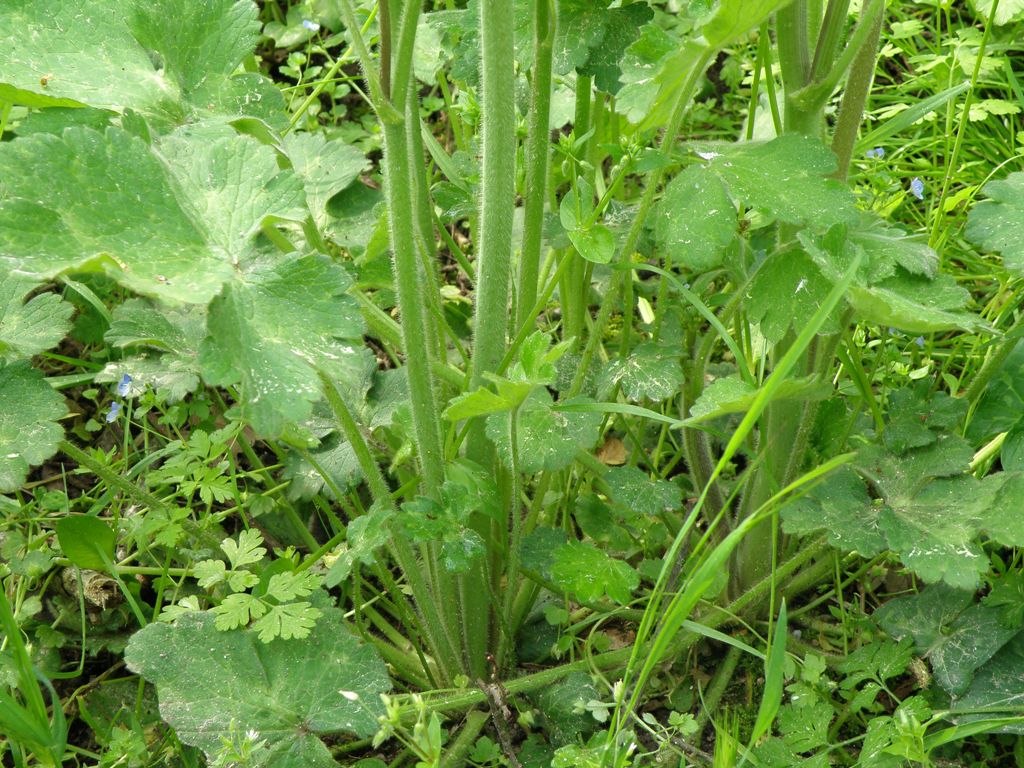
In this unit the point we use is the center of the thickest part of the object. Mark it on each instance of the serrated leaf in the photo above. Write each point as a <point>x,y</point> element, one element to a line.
<point>915,304</point>
<point>956,635</point>
<point>334,456</point>
<point>786,292</point>
<point>114,211</point>
<point>997,688</point>
<point>733,18</point>
<point>209,573</point>
<point>995,224</point>
<point>654,69</point>
<point>650,372</point>
<point>169,60</point>
<point>590,573</point>
<point>237,610</point>
<point>247,550</point>
<point>325,168</point>
<point>87,541</point>
<point>786,177</point>
<point>29,434</point>
<point>633,490</point>
<point>696,220</point>
<point>733,395</point>
<point>547,438</point>
<point>29,327</point>
<point>563,708</point>
<point>290,693</point>
<point>293,621</point>
<point>888,246</point>
<point>169,337</point>
<point>271,327</point>
<point>927,510</point>
<point>289,585</point>
<point>366,534</point>
<point>622,27</point>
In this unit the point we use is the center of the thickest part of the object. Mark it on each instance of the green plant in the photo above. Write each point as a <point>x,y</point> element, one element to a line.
<point>303,431</point>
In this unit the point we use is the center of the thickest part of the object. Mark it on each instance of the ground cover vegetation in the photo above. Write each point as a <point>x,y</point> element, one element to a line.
<point>538,383</point>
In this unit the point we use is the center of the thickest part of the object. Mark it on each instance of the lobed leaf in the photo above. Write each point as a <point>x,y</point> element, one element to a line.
<point>290,693</point>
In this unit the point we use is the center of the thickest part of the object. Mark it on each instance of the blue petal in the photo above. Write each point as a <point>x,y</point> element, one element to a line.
<point>115,408</point>
<point>122,386</point>
<point>917,188</point>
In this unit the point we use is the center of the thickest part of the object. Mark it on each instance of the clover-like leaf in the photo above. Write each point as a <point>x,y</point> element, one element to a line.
<point>29,327</point>
<point>169,60</point>
<point>290,693</point>
<point>590,573</point>
<point>29,410</point>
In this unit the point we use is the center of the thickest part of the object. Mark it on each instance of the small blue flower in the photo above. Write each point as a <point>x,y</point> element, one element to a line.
<point>312,26</point>
<point>878,153</point>
<point>919,341</point>
<point>115,409</point>
<point>122,385</point>
<point>917,188</point>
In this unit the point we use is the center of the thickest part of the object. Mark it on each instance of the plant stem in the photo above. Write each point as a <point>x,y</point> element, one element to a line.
<point>398,186</point>
<point>456,754</point>
<point>491,320</point>
<point>855,96</point>
<point>537,150</point>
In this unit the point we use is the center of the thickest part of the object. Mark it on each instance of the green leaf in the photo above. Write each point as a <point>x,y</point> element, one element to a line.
<point>292,621</point>
<point>733,395</point>
<point>29,327</point>
<point>787,178</point>
<point>915,304</point>
<point>955,634</point>
<point>289,692</point>
<point>325,168</point>
<point>115,211</point>
<point>87,541</point>
<point>29,408</point>
<point>596,243</point>
<point>237,610</point>
<point>622,28</point>
<point>785,293</point>
<point>270,328</point>
<point>169,60</point>
<point>774,668</point>
<point>169,338</point>
<point>547,438</point>
<point>926,509</point>
<point>633,490</point>
<point>563,708</point>
<point>247,550</point>
<point>366,534</point>
<point>479,402</point>
<point>654,69</point>
<point>995,224</point>
<point>997,688</point>
<point>425,520</point>
<point>734,18</point>
<point>695,220</point>
<point>650,372</point>
<point>334,456</point>
<point>1002,403</point>
<point>590,573</point>
<point>888,246</point>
